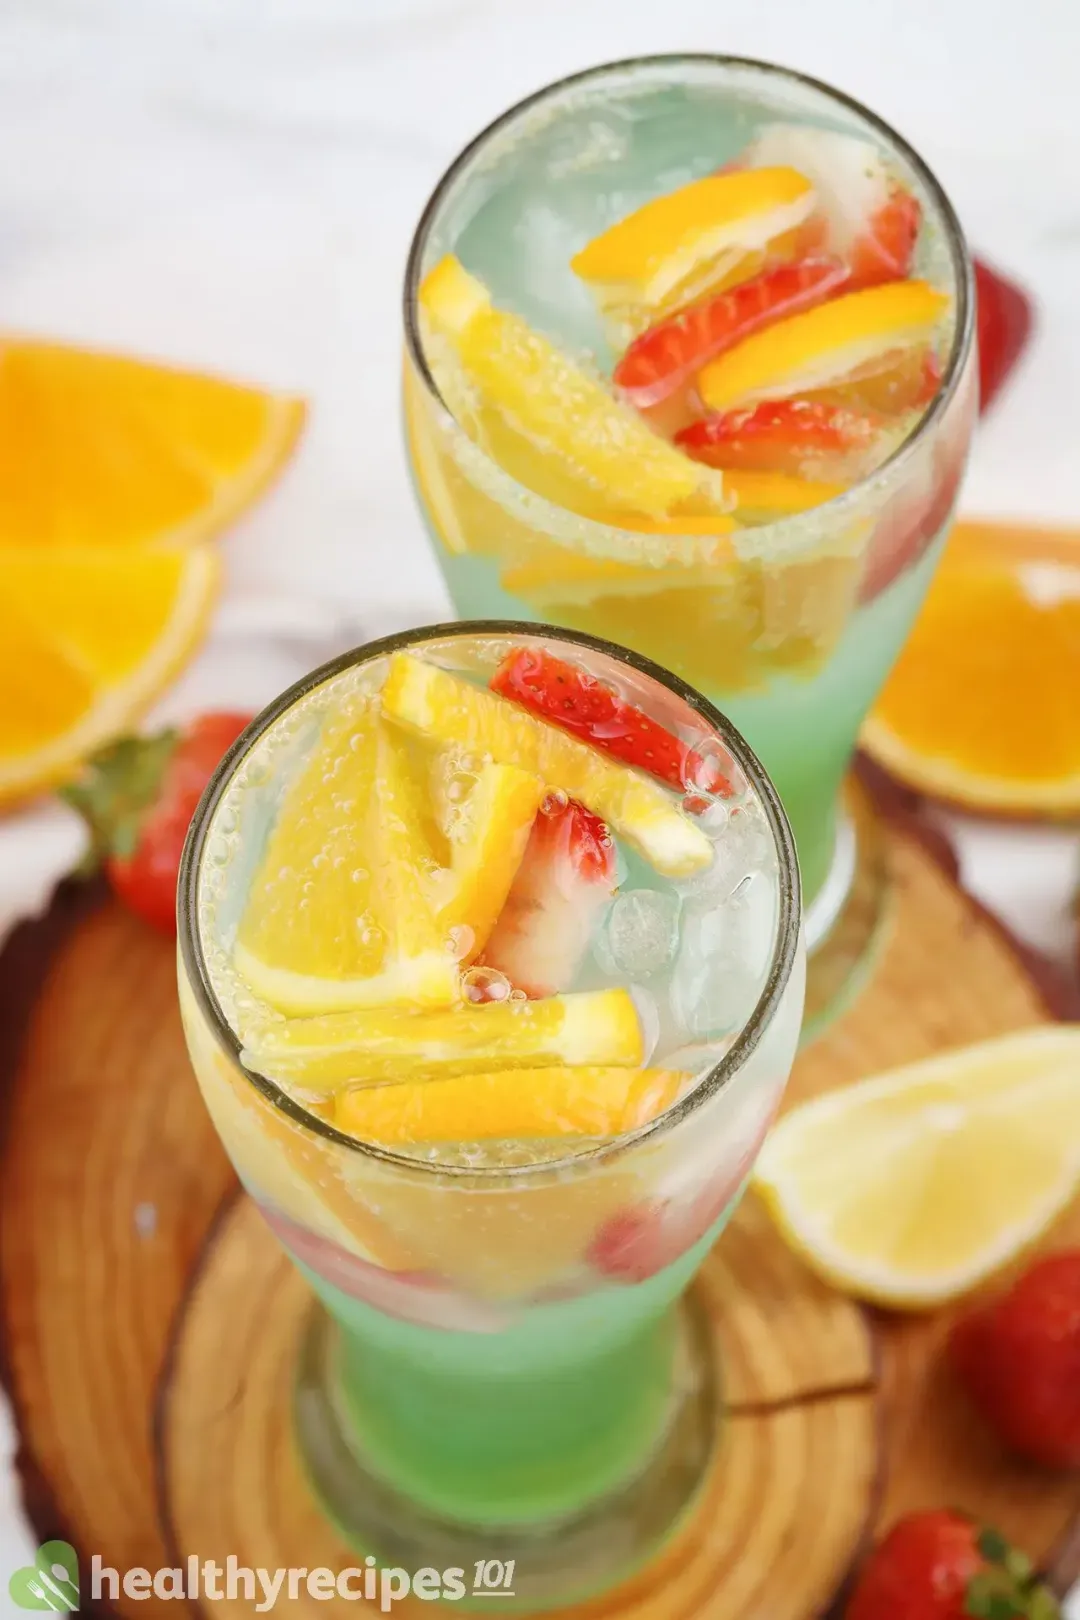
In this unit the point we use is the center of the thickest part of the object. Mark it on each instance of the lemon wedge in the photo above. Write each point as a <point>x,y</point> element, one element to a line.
<point>911,1188</point>
<point>374,1046</point>
<point>343,911</point>
<point>549,422</point>
<point>446,709</point>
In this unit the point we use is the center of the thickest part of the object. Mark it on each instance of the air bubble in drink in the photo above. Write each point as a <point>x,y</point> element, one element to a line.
<point>709,770</point>
<point>485,984</point>
<point>554,801</point>
<point>459,785</point>
<point>460,941</point>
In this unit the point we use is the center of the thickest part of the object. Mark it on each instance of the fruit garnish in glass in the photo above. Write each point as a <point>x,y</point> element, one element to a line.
<point>491,976</point>
<point>689,364</point>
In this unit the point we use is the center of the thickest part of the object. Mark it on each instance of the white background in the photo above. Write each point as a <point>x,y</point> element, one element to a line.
<point>233,183</point>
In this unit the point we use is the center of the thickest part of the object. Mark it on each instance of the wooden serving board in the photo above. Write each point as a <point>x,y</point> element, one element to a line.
<point>148,1323</point>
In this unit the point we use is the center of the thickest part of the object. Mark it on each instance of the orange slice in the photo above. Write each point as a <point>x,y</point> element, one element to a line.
<point>448,710</point>
<point>706,234</point>
<point>341,912</point>
<point>853,335</point>
<point>1000,634</point>
<point>765,497</point>
<point>487,842</point>
<point>379,1045</point>
<point>581,444</point>
<point>88,639</point>
<point>510,1103</point>
<point>101,450</point>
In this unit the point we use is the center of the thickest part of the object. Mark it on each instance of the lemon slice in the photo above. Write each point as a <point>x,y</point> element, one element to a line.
<point>377,1045</point>
<point>846,337</point>
<point>913,1187</point>
<point>509,1104</point>
<point>446,709</point>
<point>341,912</point>
<point>679,246</point>
<point>586,437</point>
<point>487,841</point>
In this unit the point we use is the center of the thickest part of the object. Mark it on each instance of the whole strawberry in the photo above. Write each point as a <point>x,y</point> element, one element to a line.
<point>1019,1358</point>
<point>944,1566</point>
<point>137,797</point>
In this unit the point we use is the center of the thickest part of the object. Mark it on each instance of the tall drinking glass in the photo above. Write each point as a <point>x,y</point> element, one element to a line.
<point>500,1364</point>
<point>789,607</point>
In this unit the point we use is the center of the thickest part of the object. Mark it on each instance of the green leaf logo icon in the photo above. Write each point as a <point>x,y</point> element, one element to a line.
<point>51,1583</point>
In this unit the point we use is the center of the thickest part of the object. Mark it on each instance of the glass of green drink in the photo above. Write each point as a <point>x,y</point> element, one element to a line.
<point>492,1006</point>
<point>690,364</point>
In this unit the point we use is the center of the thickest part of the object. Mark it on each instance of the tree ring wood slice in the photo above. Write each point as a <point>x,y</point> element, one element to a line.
<point>110,1176</point>
<point>761,1538</point>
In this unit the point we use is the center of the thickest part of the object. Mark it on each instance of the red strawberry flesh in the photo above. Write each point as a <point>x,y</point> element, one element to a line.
<point>665,358</point>
<point>796,436</point>
<point>1019,1359</point>
<point>590,709</point>
<point>565,880</point>
<point>1005,318</point>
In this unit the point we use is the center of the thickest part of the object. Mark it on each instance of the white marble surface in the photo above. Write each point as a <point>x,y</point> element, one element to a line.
<point>233,183</point>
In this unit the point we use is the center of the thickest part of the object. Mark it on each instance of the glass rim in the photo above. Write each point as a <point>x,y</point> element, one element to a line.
<point>785,943</point>
<point>795,524</point>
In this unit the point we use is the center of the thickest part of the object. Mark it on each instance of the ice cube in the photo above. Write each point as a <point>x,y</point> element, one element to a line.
<point>723,960</point>
<point>642,931</point>
<point>742,844</point>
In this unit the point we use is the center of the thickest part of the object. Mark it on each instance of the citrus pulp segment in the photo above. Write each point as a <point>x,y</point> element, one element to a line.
<point>342,910</point>
<point>509,1104</point>
<point>678,245</point>
<point>376,1046</point>
<point>487,842</point>
<point>569,419</point>
<point>1000,632</point>
<point>101,450</point>
<point>856,332</point>
<point>448,710</point>
<point>911,1188</point>
<point>88,639</point>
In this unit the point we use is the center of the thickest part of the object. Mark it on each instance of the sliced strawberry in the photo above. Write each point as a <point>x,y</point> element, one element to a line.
<point>883,251</point>
<point>575,700</point>
<point>635,1244</point>
<point>565,880</point>
<point>1005,319</point>
<point>802,437</point>
<point>910,523</point>
<point>866,217</point>
<point>664,359</point>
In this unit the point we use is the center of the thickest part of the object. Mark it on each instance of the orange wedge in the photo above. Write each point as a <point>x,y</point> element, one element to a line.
<point>100,450</point>
<point>507,1104</point>
<point>1000,634</point>
<point>762,497</point>
<point>708,234</point>
<point>341,912</point>
<point>487,842</point>
<point>374,1046</point>
<point>852,336</point>
<point>88,639</point>
<point>552,425</point>
<point>448,710</point>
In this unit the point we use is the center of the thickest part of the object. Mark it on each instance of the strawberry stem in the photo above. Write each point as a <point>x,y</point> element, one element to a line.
<point>115,789</point>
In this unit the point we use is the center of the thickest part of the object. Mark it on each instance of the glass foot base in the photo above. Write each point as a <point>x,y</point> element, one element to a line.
<point>845,924</point>
<point>554,1563</point>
